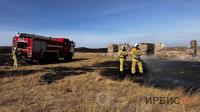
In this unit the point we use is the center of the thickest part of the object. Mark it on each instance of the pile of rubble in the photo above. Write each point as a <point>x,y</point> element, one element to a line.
<point>181,53</point>
<point>177,54</point>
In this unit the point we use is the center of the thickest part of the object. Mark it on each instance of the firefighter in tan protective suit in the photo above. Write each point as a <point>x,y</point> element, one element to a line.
<point>136,61</point>
<point>123,53</point>
<point>14,53</point>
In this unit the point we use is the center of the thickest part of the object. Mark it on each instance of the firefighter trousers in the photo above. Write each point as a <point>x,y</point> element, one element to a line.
<point>122,64</point>
<point>136,63</point>
<point>15,61</point>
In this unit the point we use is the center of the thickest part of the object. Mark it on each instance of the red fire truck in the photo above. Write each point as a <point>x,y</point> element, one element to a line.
<point>40,48</point>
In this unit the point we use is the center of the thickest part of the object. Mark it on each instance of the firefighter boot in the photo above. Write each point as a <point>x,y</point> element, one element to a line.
<point>130,77</point>
<point>133,77</point>
<point>120,75</point>
<point>124,75</point>
<point>142,77</point>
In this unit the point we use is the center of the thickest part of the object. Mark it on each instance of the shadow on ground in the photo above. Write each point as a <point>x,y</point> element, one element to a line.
<point>15,73</point>
<point>58,73</point>
<point>110,69</point>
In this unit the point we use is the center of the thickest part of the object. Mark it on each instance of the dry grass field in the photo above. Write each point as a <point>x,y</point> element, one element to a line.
<point>86,84</point>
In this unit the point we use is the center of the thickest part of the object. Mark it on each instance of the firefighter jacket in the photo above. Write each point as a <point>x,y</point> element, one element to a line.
<point>123,54</point>
<point>136,53</point>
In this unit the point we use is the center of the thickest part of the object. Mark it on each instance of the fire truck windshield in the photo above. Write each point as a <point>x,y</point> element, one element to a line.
<point>22,45</point>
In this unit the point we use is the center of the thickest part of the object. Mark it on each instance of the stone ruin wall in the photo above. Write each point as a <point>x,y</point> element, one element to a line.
<point>175,53</point>
<point>146,48</point>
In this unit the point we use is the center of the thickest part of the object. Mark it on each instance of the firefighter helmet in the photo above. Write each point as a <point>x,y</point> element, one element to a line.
<point>136,45</point>
<point>123,48</point>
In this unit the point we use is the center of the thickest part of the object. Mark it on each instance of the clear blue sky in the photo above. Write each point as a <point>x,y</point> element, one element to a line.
<point>95,23</point>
